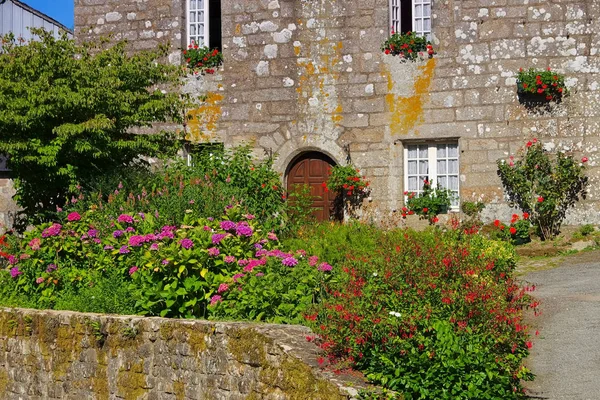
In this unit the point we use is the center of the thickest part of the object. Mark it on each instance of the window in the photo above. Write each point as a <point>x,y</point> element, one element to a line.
<point>194,152</point>
<point>411,15</point>
<point>3,164</point>
<point>204,23</point>
<point>435,162</point>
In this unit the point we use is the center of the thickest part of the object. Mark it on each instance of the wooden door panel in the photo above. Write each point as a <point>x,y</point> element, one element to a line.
<point>313,169</point>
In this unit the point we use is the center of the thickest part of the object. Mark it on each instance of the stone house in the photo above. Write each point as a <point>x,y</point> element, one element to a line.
<point>307,80</point>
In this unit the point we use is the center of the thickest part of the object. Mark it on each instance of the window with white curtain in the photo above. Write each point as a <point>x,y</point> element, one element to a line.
<point>411,15</point>
<point>434,162</point>
<point>204,23</point>
<point>198,22</point>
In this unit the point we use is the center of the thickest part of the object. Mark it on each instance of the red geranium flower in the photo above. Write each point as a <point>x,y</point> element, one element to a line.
<point>540,199</point>
<point>513,230</point>
<point>497,222</point>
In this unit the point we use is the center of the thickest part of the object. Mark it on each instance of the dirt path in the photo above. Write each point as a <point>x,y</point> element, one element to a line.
<point>566,355</point>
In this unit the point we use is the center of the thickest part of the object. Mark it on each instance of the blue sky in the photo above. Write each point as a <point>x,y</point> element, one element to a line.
<point>60,10</point>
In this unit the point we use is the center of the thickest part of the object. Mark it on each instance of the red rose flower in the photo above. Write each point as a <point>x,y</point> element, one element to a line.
<point>540,199</point>
<point>525,215</point>
<point>425,209</point>
<point>497,223</point>
<point>529,144</point>
<point>584,160</point>
<point>513,230</point>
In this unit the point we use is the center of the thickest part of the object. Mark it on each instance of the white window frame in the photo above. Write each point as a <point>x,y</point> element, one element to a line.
<point>188,11</point>
<point>395,16</point>
<point>432,173</point>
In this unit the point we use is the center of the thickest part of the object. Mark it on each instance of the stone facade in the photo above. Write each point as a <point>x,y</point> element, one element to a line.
<point>309,76</point>
<point>64,355</point>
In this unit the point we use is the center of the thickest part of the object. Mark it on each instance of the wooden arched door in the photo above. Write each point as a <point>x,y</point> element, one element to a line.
<point>313,169</point>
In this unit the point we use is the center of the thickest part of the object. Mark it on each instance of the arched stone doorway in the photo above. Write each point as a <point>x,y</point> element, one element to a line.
<point>312,169</point>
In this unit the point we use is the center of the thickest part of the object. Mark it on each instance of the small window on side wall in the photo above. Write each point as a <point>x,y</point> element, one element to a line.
<point>204,23</point>
<point>195,152</point>
<point>3,166</point>
<point>434,162</point>
<point>411,16</point>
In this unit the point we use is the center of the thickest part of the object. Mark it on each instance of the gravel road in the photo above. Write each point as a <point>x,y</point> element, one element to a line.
<point>566,355</point>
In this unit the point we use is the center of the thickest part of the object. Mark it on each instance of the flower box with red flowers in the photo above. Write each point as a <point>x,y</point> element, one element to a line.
<point>409,46</point>
<point>540,86</point>
<point>202,59</point>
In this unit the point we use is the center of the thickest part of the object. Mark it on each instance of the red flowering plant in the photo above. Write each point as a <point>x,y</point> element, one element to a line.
<point>428,312</point>
<point>347,181</point>
<point>409,46</point>
<point>549,84</point>
<point>202,59</point>
<point>543,185</point>
<point>429,203</point>
<point>517,232</point>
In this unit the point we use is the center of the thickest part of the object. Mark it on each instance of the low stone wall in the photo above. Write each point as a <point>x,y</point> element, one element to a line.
<point>65,355</point>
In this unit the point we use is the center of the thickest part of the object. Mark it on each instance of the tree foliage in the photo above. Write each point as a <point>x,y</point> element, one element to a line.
<point>67,112</point>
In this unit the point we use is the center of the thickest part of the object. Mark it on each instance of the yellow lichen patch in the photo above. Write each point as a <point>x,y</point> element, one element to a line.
<point>238,29</point>
<point>131,382</point>
<point>203,120</point>
<point>407,112</point>
<point>179,390</point>
<point>4,379</point>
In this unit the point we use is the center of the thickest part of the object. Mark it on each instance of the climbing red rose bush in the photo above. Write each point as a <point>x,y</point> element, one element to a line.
<point>544,185</point>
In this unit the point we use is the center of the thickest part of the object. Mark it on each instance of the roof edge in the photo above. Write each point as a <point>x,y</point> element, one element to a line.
<point>40,14</point>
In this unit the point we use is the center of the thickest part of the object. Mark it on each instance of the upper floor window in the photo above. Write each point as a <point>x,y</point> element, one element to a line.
<point>411,15</point>
<point>204,23</point>
<point>433,162</point>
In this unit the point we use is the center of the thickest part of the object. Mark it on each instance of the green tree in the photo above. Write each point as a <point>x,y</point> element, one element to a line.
<point>67,112</point>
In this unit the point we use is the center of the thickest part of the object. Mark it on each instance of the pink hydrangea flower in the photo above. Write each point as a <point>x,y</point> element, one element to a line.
<point>325,267</point>
<point>313,260</point>
<point>229,259</point>
<point>35,244</point>
<point>215,299</point>
<point>223,287</point>
<point>39,280</point>
<point>213,252</point>
<point>74,216</point>
<point>125,218</point>
<point>186,243</point>
<point>133,270</point>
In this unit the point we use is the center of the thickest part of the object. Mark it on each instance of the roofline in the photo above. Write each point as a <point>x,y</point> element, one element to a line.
<point>39,14</point>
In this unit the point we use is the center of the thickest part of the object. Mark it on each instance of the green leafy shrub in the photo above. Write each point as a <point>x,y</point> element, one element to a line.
<point>202,59</point>
<point>215,180</point>
<point>68,111</point>
<point>472,210</point>
<point>278,292</point>
<point>518,231</point>
<point>544,186</point>
<point>429,203</point>
<point>409,46</point>
<point>429,315</point>
<point>586,230</point>
<point>547,83</point>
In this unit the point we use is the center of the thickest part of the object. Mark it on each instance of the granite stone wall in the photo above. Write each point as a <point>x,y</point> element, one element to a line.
<point>64,355</point>
<point>304,75</point>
